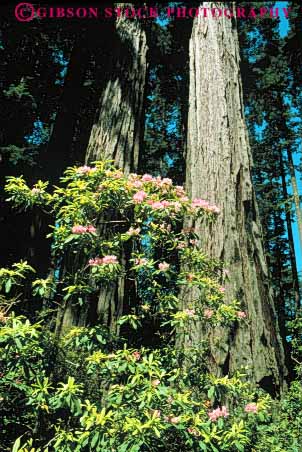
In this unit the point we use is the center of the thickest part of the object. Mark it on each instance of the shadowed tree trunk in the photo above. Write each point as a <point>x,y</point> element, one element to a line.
<point>219,170</point>
<point>295,189</point>
<point>116,135</point>
<point>291,244</point>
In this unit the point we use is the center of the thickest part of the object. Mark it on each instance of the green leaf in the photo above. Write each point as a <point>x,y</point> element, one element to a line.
<point>214,448</point>
<point>211,392</point>
<point>95,439</point>
<point>8,285</point>
<point>70,238</point>
<point>17,444</point>
<point>239,446</point>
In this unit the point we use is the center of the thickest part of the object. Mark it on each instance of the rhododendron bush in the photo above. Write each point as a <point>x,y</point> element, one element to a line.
<point>137,385</point>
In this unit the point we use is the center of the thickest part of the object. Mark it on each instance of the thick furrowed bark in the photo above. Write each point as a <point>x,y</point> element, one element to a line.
<point>219,170</point>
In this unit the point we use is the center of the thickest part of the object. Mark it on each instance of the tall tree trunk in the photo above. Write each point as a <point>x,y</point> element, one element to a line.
<point>292,254</point>
<point>60,143</point>
<point>296,196</point>
<point>116,135</point>
<point>219,169</point>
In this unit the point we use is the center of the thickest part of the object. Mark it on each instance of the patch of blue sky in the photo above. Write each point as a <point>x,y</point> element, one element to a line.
<point>283,23</point>
<point>259,129</point>
<point>39,135</point>
<point>59,58</point>
<point>163,20</point>
<point>169,161</point>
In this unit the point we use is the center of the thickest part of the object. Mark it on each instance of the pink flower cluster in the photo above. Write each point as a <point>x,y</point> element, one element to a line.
<point>164,266</point>
<point>158,181</point>
<point>198,203</point>
<point>136,356</point>
<point>85,169</point>
<point>78,229</point>
<point>141,261</point>
<point>36,191</point>
<point>158,205</point>
<point>180,191</point>
<point>189,312</point>
<point>137,181</point>
<point>106,260</point>
<point>139,197</point>
<point>208,313</point>
<point>219,412</point>
<point>147,178</point>
<point>241,315</point>
<point>172,419</point>
<point>251,408</point>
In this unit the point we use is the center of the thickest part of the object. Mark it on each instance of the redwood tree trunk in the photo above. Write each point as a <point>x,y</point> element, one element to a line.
<point>292,254</point>
<point>116,135</point>
<point>219,170</point>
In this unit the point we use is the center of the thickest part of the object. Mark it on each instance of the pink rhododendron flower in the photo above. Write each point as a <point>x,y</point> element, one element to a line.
<point>180,191</point>
<point>141,261</point>
<point>189,312</point>
<point>137,184</point>
<point>84,169</point>
<point>184,199</point>
<point>132,177</point>
<point>221,289</point>
<point>136,356</point>
<point>95,261</point>
<point>241,314</point>
<point>103,261</point>
<point>166,182</point>
<point>214,209</point>
<point>174,419</point>
<point>208,313</point>
<point>176,205</point>
<point>201,203</point>
<point>217,413</point>
<point>77,229</point>
<point>109,260</point>
<point>36,191</point>
<point>251,408</point>
<point>139,197</point>
<point>156,205</point>
<point>91,229</point>
<point>164,266</point>
<point>193,242</point>
<point>147,178</point>
<point>181,245</point>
